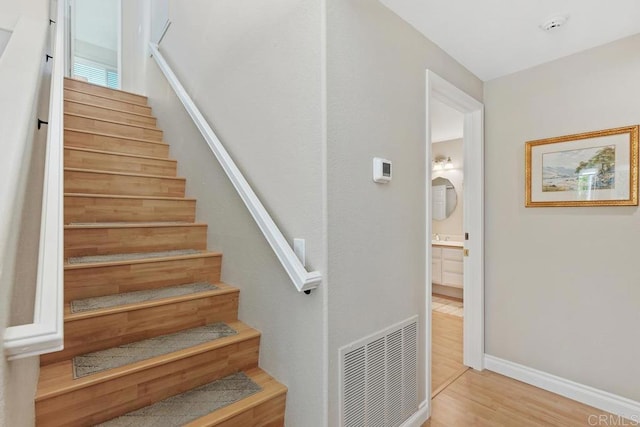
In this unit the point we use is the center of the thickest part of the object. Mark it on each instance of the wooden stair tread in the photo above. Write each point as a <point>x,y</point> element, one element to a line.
<point>133,225</point>
<point>223,288</point>
<point>132,183</point>
<point>270,389</point>
<point>89,104</point>
<point>124,196</point>
<point>107,89</point>
<point>83,208</point>
<point>80,209</point>
<point>114,160</point>
<point>113,240</point>
<point>118,104</point>
<point>71,79</point>
<point>263,396</point>
<point>99,97</point>
<point>202,254</point>
<point>131,229</point>
<point>116,153</point>
<point>107,110</point>
<point>57,378</point>
<point>111,135</point>
<point>124,173</point>
<point>115,122</point>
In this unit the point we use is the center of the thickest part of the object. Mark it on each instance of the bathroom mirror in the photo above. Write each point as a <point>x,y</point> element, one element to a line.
<point>444,198</point>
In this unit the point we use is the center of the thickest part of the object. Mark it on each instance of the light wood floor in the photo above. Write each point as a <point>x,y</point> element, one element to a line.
<point>446,350</point>
<point>487,399</point>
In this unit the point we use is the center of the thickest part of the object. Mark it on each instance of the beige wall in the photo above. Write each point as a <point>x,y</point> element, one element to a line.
<point>254,70</point>
<point>376,107</point>
<point>32,8</point>
<point>453,225</point>
<point>562,284</point>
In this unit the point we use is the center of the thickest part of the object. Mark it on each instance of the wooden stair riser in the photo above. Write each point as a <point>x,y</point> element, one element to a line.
<point>87,109</point>
<point>98,281</point>
<point>114,128</point>
<point>115,209</point>
<point>122,240</point>
<point>74,95</point>
<point>74,138</point>
<point>100,402</point>
<point>118,163</point>
<point>111,330</point>
<point>117,123</point>
<point>105,183</point>
<point>266,414</point>
<point>104,91</point>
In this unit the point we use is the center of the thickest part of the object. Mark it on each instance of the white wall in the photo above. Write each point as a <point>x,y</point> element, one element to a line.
<point>376,107</point>
<point>5,35</point>
<point>135,40</point>
<point>254,69</point>
<point>32,8</point>
<point>453,225</point>
<point>96,30</point>
<point>159,14</point>
<point>97,21</point>
<point>562,284</point>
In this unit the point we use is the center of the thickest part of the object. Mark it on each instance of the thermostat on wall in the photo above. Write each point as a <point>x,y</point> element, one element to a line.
<point>381,170</point>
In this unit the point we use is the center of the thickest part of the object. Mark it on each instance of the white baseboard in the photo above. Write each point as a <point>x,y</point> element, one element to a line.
<point>419,417</point>
<point>599,399</point>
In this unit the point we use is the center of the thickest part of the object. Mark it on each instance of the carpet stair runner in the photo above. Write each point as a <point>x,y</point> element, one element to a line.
<point>152,336</point>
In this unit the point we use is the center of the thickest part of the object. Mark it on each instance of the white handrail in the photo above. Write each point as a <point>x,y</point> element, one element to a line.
<point>302,279</point>
<point>45,334</point>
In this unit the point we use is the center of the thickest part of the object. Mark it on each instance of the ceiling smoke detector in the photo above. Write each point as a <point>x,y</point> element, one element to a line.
<point>553,23</point>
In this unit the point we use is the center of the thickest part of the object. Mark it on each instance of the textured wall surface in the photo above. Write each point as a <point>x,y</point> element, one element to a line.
<point>376,108</point>
<point>254,70</point>
<point>561,283</point>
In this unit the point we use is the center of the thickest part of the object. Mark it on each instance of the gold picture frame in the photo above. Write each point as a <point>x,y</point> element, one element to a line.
<point>588,169</point>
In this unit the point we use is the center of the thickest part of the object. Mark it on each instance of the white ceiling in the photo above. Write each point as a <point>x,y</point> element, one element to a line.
<point>446,123</point>
<point>493,38</point>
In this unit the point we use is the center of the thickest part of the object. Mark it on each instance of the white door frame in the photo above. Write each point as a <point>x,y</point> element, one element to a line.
<point>70,38</point>
<point>473,218</point>
<point>119,34</point>
<point>71,30</point>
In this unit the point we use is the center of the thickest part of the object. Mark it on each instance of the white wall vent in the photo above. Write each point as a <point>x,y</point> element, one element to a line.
<point>379,377</point>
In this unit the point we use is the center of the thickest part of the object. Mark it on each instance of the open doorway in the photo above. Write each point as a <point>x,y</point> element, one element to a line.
<point>456,240</point>
<point>447,245</point>
<point>95,41</point>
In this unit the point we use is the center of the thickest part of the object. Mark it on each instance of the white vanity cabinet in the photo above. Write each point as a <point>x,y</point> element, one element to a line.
<point>447,266</point>
<point>436,265</point>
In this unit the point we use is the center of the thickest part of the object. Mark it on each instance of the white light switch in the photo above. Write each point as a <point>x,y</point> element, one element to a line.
<point>299,250</point>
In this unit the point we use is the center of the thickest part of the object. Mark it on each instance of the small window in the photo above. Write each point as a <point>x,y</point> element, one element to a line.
<point>96,73</point>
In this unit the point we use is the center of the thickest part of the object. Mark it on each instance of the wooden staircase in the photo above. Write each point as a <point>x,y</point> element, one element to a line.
<point>122,196</point>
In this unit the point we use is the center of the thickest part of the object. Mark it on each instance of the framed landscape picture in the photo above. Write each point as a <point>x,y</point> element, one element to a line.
<point>588,169</point>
